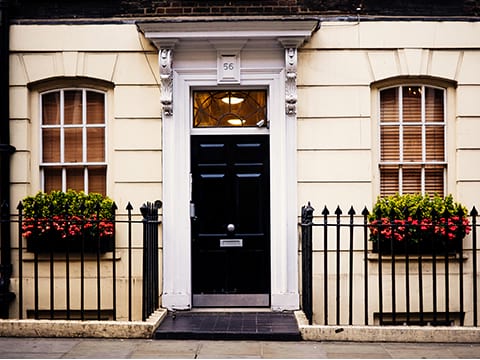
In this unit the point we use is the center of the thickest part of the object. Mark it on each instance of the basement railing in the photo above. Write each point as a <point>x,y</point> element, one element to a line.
<point>89,277</point>
<point>348,279</point>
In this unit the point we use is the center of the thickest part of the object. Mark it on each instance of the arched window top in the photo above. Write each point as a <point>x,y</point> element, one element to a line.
<point>56,83</point>
<point>414,80</point>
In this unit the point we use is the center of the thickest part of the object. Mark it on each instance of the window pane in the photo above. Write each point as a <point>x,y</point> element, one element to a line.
<point>51,108</point>
<point>434,110</point>
<point>72,107</point>
<point>75,179</point>
<point>51,145</point>
<point>388,181</point>
<point>95,144</point>
<point>390,143</point>
<point>97,180</point>
<point>229,108</point>
<point>412,180</point>
<point>412,104</point>
<point>95,108</point>
<point>412,143</point>
<point>73,145</point>
<point>435,143</point>
<point>434,180</point>
<point>52,179</point>
<point>422,143</point>
<point>389,105</point>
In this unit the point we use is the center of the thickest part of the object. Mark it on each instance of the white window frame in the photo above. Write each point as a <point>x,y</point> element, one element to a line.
<point>423,163</point>
<point>84,164</point>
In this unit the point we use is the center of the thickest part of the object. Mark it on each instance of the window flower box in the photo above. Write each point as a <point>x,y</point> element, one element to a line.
<point>68,221</point>
<point>418,224</point>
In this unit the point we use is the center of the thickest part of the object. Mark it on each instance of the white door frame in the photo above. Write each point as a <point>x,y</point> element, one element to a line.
<point>176,122</point>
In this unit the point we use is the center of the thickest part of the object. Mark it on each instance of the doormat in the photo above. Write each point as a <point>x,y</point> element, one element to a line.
<point>281,326</point>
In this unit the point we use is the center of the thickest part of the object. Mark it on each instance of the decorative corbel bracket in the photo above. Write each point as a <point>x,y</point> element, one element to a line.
<point>166,80</point>
<point>291,81</point>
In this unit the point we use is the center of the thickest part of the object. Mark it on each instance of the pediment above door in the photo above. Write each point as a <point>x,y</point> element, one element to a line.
<point>235,32</point>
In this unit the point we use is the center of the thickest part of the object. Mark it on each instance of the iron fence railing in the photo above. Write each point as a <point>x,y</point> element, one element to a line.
<point>76,281</point>
<point>348,280</point>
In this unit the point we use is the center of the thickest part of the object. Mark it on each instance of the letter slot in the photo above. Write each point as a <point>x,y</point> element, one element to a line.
<point>231,243</point>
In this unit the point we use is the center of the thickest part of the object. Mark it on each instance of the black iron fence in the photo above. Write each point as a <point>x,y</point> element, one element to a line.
<point>347,279</point>
<point>78,277</point>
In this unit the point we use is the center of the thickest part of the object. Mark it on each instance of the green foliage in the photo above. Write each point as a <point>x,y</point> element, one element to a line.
<point>417,219</point>
<point>70,203</point>
<point>416,206</point>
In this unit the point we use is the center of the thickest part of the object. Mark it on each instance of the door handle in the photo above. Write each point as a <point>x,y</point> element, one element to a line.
<point>231,228</point>
<point>192,211</point>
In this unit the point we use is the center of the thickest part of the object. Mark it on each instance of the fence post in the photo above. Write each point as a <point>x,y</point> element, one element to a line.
<point>307,222</point>
<point>473,214</point>
<point>150,257</point>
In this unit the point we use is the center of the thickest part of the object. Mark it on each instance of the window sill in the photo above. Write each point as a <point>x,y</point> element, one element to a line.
<point>374,257</point>
<point>30,257</point>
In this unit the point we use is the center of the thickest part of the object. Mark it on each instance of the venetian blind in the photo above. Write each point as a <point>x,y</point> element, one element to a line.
<point>412,140</point>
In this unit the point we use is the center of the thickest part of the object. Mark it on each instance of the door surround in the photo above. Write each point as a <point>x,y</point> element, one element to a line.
<point>195,67</point>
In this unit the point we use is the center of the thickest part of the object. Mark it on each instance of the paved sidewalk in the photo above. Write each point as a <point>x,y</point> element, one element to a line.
<point>194,349</point>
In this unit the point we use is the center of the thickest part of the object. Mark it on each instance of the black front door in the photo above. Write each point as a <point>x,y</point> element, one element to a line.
<point>230,220</point>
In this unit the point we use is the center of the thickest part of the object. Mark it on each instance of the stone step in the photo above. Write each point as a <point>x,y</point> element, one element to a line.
<point>281,326</point>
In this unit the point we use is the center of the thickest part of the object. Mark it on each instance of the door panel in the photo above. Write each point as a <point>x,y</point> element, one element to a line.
<point>231,227</point>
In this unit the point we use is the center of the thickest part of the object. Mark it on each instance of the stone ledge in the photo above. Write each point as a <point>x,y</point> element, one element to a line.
<point>414,334</point>
<point>90,329</point>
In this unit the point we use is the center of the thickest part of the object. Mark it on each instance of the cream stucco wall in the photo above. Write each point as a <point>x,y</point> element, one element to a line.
<point>337,136</point>
<point>114,58</point>
<point>338,70</point>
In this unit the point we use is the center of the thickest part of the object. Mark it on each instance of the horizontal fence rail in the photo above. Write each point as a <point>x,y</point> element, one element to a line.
<point>75,278</point>
<point>360,281</point>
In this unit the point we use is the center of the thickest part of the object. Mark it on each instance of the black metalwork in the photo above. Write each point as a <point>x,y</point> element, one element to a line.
<point>365,213</point>
<point>307,276</point>
<point>351,214</point>
<point>473,214</point>
<point>150,258</point>
<point>325,214</point>
<point>45,300</point>
<point>446,304</point>
<point>338,213</point>
<point>129,208</point>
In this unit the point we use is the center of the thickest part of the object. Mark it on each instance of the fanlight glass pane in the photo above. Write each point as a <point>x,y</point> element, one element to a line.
<point>229,108</point>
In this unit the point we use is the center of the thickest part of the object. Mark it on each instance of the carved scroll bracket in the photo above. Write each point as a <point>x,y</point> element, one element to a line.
<point>166,80</point>
<point>291,81</point>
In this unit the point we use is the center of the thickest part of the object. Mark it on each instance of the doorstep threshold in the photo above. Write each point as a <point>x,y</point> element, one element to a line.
<point>229,309</point>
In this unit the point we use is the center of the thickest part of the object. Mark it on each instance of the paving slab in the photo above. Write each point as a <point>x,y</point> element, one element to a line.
<point>54,348</point>
<point>166,349</point>
<point>412,351</point>
<point>230,349</point>
<point>295,350</point>
<point>105,349</point>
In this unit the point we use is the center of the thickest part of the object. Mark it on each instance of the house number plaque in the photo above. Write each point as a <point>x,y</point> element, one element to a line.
<point>228,68</point>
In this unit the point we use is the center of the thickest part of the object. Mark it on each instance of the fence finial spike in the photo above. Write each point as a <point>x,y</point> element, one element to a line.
<point>474,211</point>
<point>129,206</point>
<point>338,211</point>
<point>365,211</point>
<point>325,211</point>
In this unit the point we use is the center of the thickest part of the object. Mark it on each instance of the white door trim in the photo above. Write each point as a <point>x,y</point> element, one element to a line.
<point>177,292</point>
<point>199,43</point>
